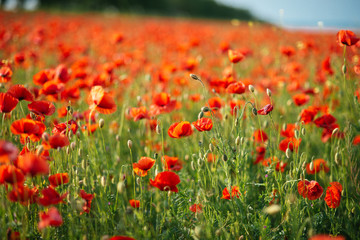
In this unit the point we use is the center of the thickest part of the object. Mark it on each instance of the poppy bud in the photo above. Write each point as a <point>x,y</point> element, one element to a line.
<point>288,153</point>
<point>156,172</point>
<point>79,152</point>
<point>211,147</point>
<point>337,158</point>
<point>268,92</point>
<point>84,182</point>
<point>218,232</point>
<point>205,109</point>
<point>138,181</point>
<point>73,145</point>
<point>158,129</point>
<point>138,99</point>
<point>237,141</point>
<point>67,150</point>
<point>303,131</point>
<point>103,181</point>
<point>193,76</point>
<point>105,237</point>
<point>251,88</point>
<point>200,143</point>
<point>199,162</point>
<point>224,157</point>
<point>70,134</point>
<point>201,114</point>
<point>254,111</point>
<point>78,134</point>
<point>39,150</point>
<point>335,131</point>
<point>120,186</point>
<point>156,155</point>
<point>101,123</point>
<point>296,133</point>
<point>117,137</point>
<point>236,122</point>
<point>45,136</point>
<point>284,127</point>
<point>272,209</point>
<point>192,165</point>
<point>343,69</point>
<point>33,115</point>
<point>129,144</point>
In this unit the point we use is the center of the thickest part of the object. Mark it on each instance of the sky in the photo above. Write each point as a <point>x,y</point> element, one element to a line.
<point>344,14</point>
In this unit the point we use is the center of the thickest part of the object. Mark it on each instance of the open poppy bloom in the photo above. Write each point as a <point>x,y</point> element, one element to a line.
<point>279,165</point>
<point>311,190</point>
<point>28,128</point>
<point>58,179</point>
<point>172,163</point>
<point>203,124</point>
<point>196,208</point>
<point>166,181</point>
<point>51,218</point>
<point>5,74</point>
<point>88,197</point>
<point>235,192</point>
<point>260,136</point>
<point>291,143</point>
<point>121,238</point>
<point>51,197</point>
<point>235,56</point>
<point>20,93</point>
<point>7,103</point>
<point>325,121</point>
<point>58,141</point>
<point>11,174</point>
<point>326,237</point>
<point>134,203</point>
<point>307,115</point>
<point>101,101</point>
<point>61,127</point>
<point>42,108</point>
<point>346,37</point>
<point>142,167</point>
<point>8,152</point>
<point>180,129</point>
<point>23,195</point>
<point>236,88</point>
<point>162,104</point>
<point>333,195</point>
<point>300,99</point>
<point>32,164</point>
<point>139,113</point>
<point>318,165</point>
<point>266,110</point>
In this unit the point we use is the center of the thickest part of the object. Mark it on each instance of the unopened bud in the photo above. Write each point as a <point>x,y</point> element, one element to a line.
<point>224,157</point>
<point>129,144</point>
<point>335,131</point>
<point>39,150</point>
<point>158,129</point>
<point>343,69</point>
<point>103,181</point>
<point>193,76</point>
<point>201,114</point>
<point>311,166</point>
<point>79,152</point>
<point>254,111</point>
<point>251,88</point>
<point>72,145</point>
<point>288,153</point>
<point>117,137</point>
<point>237,141</point>
<point>205,109</point>
<point>296,133</point>
<point>45,136</point>
<point>272,209</point>
<point>211,147</point>
<point>303,131</point>
<point>120,186</point>
<point>69,110</point>
<point>101,123</point>
<point>268,92</point>
<point>337,158</point>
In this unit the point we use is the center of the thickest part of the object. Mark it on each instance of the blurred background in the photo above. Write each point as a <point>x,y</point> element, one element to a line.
<point>286,13</point>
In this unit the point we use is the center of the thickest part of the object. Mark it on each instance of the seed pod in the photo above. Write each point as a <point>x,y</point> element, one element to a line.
<point>199,162</point>
<point>288,153</point>
<point>251,88</point>
<point>129,144</point>
<point>101,123</point>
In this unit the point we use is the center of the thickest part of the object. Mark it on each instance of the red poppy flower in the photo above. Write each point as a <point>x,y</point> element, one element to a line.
<point>235,56</point>
<point>8,152</point>
<point>289,131</point>
<point>32,164</point>
<point>215,103</point>
<point>161,99</point>
<point>62,74</point>
<point>51,197</point>
<point>51,218</point>
<point>333,195</point>
<point>122,238</point>
<point>356,141</point>
<point>346,37</point>
<point>180,129</point>
<point>291,143</point>
<point>142,167</point>
<point>236,88</point>
<point>260,136</point>
<point>166,181</point>
<point>307,115</point>
<point>12,235</point>
<point>300,99</point>
<point>326,237</point>
<point>23,195</point>
<point>11,174</point>
<point>27,128</point>
<point>7,102</point>
<point>311,190</point>
<point>325,66</point>
<point>203,124</point>
<point>42,107</point>
<point>172,163</point>
<point>88,197</point>
<point>266,110</point>
<point>139,113</point>
<point>196,208</point>
<point>235,192</point>
<point>61,127</point>
<point>21,93</point>
<point>58,179</point>
<point>5,74</point>
<point>58,141</point>
<point>287,51</point>
<point>42,77</point>
<point>134,203</point>
<point>318,165</point>
<point>325,120</point>
<point>101,101</point>
<point>52,87</point>
<point>280,165</point>
<point>162,104</point>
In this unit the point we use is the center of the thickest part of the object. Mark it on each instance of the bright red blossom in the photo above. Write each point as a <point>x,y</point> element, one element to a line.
<point>166,181</point>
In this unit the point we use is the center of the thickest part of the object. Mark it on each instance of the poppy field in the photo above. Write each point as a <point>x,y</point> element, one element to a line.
<point>134,127</point>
